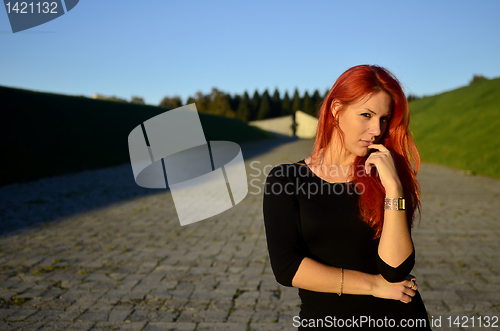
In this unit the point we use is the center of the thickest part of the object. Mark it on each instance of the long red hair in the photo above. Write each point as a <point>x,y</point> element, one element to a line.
<point>354,84</point>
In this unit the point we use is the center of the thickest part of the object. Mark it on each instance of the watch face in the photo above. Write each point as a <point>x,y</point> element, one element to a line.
<point>401,204</point>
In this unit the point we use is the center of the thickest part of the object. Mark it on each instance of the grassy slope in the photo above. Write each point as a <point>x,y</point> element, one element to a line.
<point>46,134</point>
<point>460,128</point>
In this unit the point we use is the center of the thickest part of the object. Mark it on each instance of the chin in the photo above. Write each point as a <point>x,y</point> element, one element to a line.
<point>363,153</point>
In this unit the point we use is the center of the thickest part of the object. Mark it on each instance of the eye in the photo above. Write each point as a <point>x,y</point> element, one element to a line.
<point>384,119</point>
<point>367,115</point>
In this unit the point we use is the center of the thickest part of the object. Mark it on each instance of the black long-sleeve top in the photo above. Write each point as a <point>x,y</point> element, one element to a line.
<point>306,216</point>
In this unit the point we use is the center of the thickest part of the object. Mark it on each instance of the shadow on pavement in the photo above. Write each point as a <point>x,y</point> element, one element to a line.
<point>25,205</point>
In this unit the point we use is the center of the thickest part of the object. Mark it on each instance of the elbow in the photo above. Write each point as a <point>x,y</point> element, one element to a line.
<point>396,274</point>
<point>284,269</point>
<point>283,274</point>
<point>283,279</point>
<point>394,277</point>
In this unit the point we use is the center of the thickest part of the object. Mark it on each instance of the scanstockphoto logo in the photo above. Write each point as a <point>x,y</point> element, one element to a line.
<point>205,178</point>
<point>25,15</point>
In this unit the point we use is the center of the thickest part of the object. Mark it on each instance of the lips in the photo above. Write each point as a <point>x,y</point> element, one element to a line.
<point>366,142</point>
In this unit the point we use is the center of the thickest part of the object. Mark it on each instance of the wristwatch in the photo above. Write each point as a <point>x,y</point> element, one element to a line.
<point>394,204</point>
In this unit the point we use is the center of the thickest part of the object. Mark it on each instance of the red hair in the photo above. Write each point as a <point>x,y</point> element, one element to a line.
<point>353,85</point>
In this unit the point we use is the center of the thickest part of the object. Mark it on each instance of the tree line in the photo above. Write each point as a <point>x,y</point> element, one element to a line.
<point>257,107</point>
<point>246,108</point>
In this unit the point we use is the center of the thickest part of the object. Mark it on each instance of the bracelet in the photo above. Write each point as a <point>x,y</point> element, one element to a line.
<point>341,281</point>
<point>394,204</point>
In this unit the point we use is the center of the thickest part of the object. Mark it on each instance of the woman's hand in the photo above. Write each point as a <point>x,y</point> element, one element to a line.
<point>384,162</point>
<point>403,291</point>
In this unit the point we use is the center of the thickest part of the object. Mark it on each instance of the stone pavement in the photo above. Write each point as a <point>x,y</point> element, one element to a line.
<point>92,251</point>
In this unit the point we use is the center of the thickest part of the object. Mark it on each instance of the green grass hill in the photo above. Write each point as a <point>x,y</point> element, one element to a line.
<point>460,128</point>
<point>45,134</point>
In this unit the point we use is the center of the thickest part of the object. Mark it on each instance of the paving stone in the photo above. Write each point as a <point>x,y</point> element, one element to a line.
<point>265,316</point>
<point>28,326</point>
<point>162,316</point>
<point>240,316</point>
<point>158,326</point>
<point>55,326</point>
<point>136,295</point>
<point>21,314</point>
<point>116,294</point>
<point>221,327</point>
<point>6,294</point>
<point>221,304</point>
<point>130,326</point>
<point>94,315</point>
<point>4,313</point>
<point>45,315</point>
<point>117,315</point>
<point>265,327</point>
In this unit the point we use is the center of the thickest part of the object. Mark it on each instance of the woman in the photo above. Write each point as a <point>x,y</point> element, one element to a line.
<point>338,223</point>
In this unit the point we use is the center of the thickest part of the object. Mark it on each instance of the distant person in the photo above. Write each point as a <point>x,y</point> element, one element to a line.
<point>338,223</point>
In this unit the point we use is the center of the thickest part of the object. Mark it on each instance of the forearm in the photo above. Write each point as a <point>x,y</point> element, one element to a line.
<point>315,276</point>
<point>395,241</point>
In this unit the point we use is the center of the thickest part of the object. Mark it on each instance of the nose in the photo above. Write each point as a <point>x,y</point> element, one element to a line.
<point>375,129</point>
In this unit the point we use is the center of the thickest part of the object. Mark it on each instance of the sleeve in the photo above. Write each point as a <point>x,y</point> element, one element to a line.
<point>282,222</point>
<point>398,273</point>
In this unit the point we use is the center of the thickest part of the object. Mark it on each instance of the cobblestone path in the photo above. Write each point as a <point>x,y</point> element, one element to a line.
<point>92,251</point>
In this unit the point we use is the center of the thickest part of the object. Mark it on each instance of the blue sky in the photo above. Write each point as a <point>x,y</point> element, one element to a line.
<point>157,48</point>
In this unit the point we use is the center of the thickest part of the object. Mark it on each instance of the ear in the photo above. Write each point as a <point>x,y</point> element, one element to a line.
<point>335,107</point>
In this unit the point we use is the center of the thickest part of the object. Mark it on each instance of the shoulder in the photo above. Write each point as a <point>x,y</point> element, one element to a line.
<point>287,172</point>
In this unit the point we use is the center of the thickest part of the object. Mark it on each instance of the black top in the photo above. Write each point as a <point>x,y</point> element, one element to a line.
<point>306,216</point>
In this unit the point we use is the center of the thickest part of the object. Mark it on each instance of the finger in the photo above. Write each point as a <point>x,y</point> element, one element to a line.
<point>379,147</point>
<point>368,168</point>
<point>409,283</point>
<point>410,277</point>
<point>406,299</point>
<point>413,281</point>
<point>409,292</point>
<point>370,162</point>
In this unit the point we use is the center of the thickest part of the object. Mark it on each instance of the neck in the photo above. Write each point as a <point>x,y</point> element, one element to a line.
<point>336,154</point>
<point>334,162</point>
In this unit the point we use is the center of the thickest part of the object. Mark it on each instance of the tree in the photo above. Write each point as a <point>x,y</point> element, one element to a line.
<point>412,97</point>
<point>265,106</point>
<point>297,102</point>
<point>316,101</point>
<point>201,101</point>
<point>219,104</point>
<point>111,98</point>
<point>477,78</point>
<point>171,103</point>
<point>306,103</point>
<point>255,103</point>
<point>243,112</point>
<point>286,106</point>
<point>137,100</point>
<point>276,104</point>
<point>225,106</point>
<point>234,102</point>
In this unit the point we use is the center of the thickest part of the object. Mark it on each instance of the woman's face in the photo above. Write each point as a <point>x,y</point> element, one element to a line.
<point>364,122</point>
